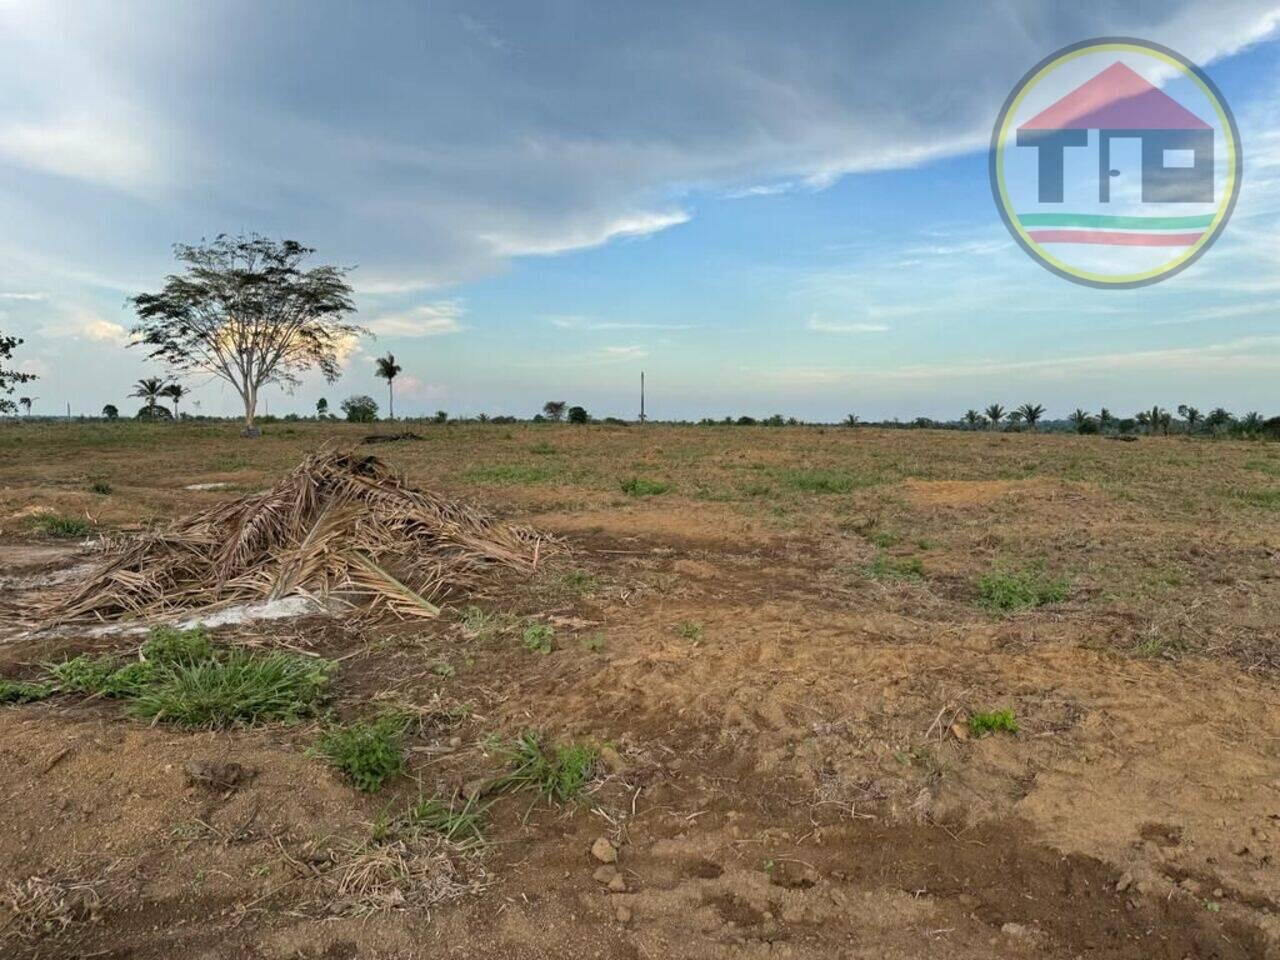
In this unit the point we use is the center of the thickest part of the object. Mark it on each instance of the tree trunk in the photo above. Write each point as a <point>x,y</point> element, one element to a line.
<point>250,397</point>
<point>391,402</point>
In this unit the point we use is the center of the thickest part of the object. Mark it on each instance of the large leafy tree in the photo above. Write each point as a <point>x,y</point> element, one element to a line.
<point>10,378</point>
<point>387,369</point>
<point>554,410</point>
<point>247,309</point>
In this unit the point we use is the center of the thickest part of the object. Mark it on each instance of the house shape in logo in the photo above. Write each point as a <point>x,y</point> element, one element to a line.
<point>1177,146</point>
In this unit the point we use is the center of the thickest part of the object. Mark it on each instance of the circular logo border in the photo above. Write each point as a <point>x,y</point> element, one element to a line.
<point>995,167</point>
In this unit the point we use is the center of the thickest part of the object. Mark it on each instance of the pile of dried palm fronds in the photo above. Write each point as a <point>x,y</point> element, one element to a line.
<point>338,526</point>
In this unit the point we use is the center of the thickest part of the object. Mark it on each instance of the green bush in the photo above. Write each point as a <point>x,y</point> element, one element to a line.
<point>538,638</point>
<point>67,527</point>
<point>560,772</point>
<point>1021,590</point>
<point>368,752</point>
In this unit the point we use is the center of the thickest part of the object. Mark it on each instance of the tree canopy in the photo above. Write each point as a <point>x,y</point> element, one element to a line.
<point>10,378</point>
<point>245,309</point>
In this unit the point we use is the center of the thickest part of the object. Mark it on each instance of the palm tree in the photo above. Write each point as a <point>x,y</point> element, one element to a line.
<point>1105,419</point>
<point>322,408</point>
<point>1158,419</point>
<point>1031,412</point>
<point>149,389</point>
<point>851,420</point>
<point>973,418</point>
<point>1143,419</point>
<point>387,370</point>
<point>1080,419</point>
<point>1218,418</point>
<point>1250,424</point>
<point>175,392</point>
<point>995,413</point>
<point>25,404</point>
<point>1191,415</point>
<point>1014,417</point>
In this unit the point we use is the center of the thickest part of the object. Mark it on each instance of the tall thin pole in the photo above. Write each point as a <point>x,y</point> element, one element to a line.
<point>642,396</point>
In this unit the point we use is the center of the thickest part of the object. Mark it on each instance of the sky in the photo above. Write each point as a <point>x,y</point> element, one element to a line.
<point>766,207</point>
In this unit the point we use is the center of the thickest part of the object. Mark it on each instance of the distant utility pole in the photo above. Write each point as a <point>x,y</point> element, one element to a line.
<point>642,396</point>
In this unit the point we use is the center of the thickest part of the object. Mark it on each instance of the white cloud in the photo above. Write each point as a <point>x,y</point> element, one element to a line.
<point>623,353</point>
<point>518,243</point>
<point>570,321</point>
<point>33,297</point>
<point>828,326</point>
<point>82,148</point>
<point>427,320</point>
<point>81,323</point>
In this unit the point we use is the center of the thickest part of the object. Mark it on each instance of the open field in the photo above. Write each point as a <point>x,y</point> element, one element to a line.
<point>785,653</point>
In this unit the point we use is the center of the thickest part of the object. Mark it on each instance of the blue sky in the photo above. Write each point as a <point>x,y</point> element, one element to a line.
<point>768,208</point>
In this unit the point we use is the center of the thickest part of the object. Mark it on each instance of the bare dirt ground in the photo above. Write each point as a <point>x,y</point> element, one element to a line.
<point>777,654</point>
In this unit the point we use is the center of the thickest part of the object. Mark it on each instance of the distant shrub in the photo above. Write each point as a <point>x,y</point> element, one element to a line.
<point>578,415</point>
<point>55,526</point>
<point>100,487</point>
<point>360,409</point>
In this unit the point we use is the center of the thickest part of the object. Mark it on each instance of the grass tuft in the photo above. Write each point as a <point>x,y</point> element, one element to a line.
<point>1001,721</point>
<point>100,487</point>
<point>19,691</point>
<point>887,567</point>
<point>644,487</point>
<point>239,687</point>
<point>66,527</point>
<point>368,752</point>
<point>560,772</point>
<point>453,821</point>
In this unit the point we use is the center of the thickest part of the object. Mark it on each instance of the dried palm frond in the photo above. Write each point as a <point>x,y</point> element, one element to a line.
<point>338,524</point>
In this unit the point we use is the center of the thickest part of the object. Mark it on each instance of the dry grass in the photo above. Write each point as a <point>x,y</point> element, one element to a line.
<point>419,873</point>
<point>42,907</point>
<point>338,525</point>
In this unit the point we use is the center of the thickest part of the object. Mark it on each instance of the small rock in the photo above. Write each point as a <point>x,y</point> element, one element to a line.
<point>1219,893</point>
<point>960,731</point>
<point>604,850</point>
<point>604,875</point>
<point>618,884</point>
<point>623,913</point>
<point>1018,931</point>
<point>1124,883</point>
<point>474,789</point>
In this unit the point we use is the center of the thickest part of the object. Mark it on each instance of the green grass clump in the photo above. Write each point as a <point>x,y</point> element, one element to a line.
<point>887,567</point>
<point>368,752</point>
<point>560,772</point>
<point>643,487</point>
<point>68,527</point>
<point>689,630</point>
<point>238,687</point>
<point>1001,721</point>
<point>103,676</point>
<point>822,481</point>
<point>538,638</point>
<point>19,691</point>
<point>456,822</point>
<point>1021,590</point>
<point>512,474</point>
<point>1267,499</point>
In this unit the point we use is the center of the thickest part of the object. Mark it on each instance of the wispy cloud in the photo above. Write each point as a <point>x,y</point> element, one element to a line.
<point>427,320</point>
<point>569,321</point>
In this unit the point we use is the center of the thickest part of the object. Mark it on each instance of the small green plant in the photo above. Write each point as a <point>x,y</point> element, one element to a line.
<point>643,487</point>
<point>578,581</point>
<point>101,488</point>
<point>593,642</point>
<point>443,668</point>
<point>102,676</point>
<point>538,638</point>
<point>456,822</point>
<point>19,691</point>
<point>689,630</point>
<point>67,527</point>
<point>172,645</point>
<point>560,773</point>
<point>884,539</point>
<point>368,752</point>
<point>1020,590</point>
<point>888,567</point>
<point>239,687</point>
<point>996,721</point>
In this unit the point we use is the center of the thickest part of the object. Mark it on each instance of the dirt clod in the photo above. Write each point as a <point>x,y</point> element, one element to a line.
<point>604,850</point>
